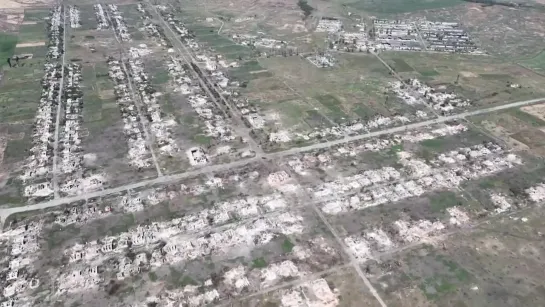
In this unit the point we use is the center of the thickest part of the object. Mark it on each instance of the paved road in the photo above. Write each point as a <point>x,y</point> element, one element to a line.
<point>223,167</point>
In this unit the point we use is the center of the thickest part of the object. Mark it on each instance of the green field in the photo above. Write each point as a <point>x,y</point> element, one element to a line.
<point>7,45</point>
<point>401,6</point>
<point>536,63</point>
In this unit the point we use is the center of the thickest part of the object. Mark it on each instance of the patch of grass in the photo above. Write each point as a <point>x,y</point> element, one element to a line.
<point>527,118</point>
<point>259,263</point>
<point>536,63</point>
<point>395,149</point>
<point>305,7</point>
<point>435,144</point>
<point>15,149</point>
<point>364,112</point>
<point>429,73</point>
<point>443,200</point>
<point>7,45</point>
<point>333,104</point>
<point>202,139</point>
<point>500,77</point>
<point>401,6</point>
<point>315,119</point>
<point>126,222</point>
<point>160,77</point>
<point>287,246</point>
<point>402,66</point>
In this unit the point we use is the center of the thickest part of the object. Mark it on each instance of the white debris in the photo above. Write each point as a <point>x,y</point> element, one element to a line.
<point>74,17</point>
<point>457,216</point>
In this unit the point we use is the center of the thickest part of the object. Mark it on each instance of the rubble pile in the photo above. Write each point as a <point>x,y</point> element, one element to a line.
<point>160,125</point>
<point>56,32</point>
<point>120,27</point>
<point>322,60</point>
<point>22,246</point>
<point>178,248</point>
<point>258,41</point>
<point>71,158</point>
<point>389,141</point>
<point>102,20</point>
<point>414,92</point>
<point>330,25</point>
<point>401,35</point>
<point>448,171</point>
<point>537,193</point>
<point>153,29</point>
<point>314,293</point>
<point>139,155</point>
<point>38,166</point>
<point>377,122</point>
<point>401,233</point>
<point>74,14</point>
<point>353,41</point>
<point>396,35</point>
<point>215,123</point>
<point>81,215</point>
<point>77,280</point>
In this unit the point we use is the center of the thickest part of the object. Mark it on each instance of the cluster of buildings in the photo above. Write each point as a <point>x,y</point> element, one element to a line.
<point>329,25</point>
<point>341,130</point>
<point>120,27</point>
<point>177,248</point>
<point>153,29</point>
<point>446,37</point>
<point>447,171</point>
<point>414,92</point>
<point>321,60</point>
<point>74,15</point>
<point>75,179</point>
<point>37,171</point>
<point>102,19</point>
<point>139,154</point>
<point>396,35</point>
<point>216,125</point>
<point>400,35</point>
<point>160,125</point>
<point>22,249</point>
<point>387,142</point>
<point>258,41</point>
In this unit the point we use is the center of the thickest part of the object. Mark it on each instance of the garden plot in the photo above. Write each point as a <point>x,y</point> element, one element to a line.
<point>472,267</point>
<point>481,80</point>
<point>215,141</point>
<point>351,159</point>
<point>75,180</point>
<point>336,109</point>
<point>521,129</point>
<point>447,171</point>
<point>341,287</point>
<point>38,167</point>
<point>19,101</point>
<point>139,155</point>
<point>275,247</point>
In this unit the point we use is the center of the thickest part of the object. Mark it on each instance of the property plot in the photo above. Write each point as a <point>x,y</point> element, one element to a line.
<point>481,80</point>
<point>471,268</point>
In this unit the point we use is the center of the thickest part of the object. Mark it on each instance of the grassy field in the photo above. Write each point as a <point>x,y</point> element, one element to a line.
<point>536,63</point>
<point>482,79</point>
<point>7,45</point>
<point>400,6</point>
